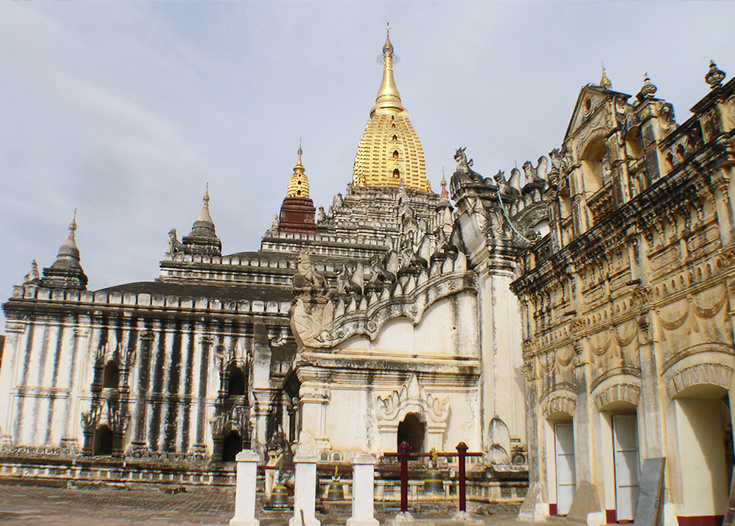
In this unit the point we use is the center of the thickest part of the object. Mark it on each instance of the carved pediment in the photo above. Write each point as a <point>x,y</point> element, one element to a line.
<point>412,398</point>
<point>591,110</point>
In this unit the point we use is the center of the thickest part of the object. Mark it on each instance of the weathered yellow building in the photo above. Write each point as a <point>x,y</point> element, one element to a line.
<point>626,305</point>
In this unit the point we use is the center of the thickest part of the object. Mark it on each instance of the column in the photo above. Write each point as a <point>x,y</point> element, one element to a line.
<point>247,477</point>
<point>363,478</point>
<point>14,341</point>
<point>304,492</point>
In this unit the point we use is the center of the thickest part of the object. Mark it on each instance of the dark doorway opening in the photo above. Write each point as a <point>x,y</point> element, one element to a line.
<point>231,446</point>
<point>102,444</point>
<point>412,430</point>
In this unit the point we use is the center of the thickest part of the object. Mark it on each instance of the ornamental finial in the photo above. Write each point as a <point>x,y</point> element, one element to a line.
<point>73,224</point>
<point>388,99</point>
<point>714,76</point>
<point>649,88</point>
<point>604,81</point>
<point>387,47</point>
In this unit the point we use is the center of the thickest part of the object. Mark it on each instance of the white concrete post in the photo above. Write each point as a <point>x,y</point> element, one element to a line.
<point>247,476</point>
<point>363,479</point>
<point>304,492</point>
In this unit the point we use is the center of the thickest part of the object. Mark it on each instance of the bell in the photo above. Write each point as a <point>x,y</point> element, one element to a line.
<point>279,496</point>
<point>433,482</point>
<point>335,491</point>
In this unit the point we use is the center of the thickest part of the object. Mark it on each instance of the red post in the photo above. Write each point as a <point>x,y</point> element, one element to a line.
<point>461,451</point>
<point>404,451</point>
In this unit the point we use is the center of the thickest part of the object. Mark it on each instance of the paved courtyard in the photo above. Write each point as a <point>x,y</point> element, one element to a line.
<point>34,505</point>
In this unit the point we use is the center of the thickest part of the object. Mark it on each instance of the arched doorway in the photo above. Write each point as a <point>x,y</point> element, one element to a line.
<point>102,442</point>
<point>412,430</point>
<point>231,446</point>
<point>704,432</point>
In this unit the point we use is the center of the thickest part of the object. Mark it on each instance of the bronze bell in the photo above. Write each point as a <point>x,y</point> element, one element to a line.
<point>335,491</point>
<point>434,482</point>
<point>279,496</point>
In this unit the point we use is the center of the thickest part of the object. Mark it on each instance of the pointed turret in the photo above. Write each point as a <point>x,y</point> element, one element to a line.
<point>203,239</point>
<point>389,151</point>
<point>66,272</point>
<point>444,196</point>
<point>298,184</point>
<point>297,210</point>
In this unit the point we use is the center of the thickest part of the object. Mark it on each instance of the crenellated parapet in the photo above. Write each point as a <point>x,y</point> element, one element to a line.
<point>401,285</point>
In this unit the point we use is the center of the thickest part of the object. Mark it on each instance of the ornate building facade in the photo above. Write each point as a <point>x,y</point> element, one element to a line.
<point>627,309</point>
<point>379,320</point>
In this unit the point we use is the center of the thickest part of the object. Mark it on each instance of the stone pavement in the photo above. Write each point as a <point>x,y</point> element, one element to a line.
<point>35,505</point>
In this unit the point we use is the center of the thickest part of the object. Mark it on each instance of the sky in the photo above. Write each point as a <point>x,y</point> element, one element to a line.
<point>125,111</point>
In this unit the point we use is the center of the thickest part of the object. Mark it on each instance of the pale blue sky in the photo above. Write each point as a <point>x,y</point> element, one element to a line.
<point>125,110</point>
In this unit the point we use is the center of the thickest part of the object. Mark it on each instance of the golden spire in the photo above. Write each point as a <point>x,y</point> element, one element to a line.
<point>604,81</point>
<point>389,152</point>
<point>298,184</point>
<point>388,98</point>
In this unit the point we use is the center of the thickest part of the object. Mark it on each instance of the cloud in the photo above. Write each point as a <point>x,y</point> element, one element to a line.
<point>126,110</point>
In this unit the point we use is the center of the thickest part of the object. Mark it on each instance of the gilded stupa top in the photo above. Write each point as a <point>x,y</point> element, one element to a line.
<point>389,151</point>
<point>298,184</point>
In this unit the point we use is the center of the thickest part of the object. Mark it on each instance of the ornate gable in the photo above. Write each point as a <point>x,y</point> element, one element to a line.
<point>589,110</point>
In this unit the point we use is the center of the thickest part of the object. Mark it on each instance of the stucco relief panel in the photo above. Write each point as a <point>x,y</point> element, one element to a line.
<point>696,320</point>
<point>413,398</point>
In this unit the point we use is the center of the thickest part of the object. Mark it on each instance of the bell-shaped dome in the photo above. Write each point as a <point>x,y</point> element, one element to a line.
<point>390,151</point>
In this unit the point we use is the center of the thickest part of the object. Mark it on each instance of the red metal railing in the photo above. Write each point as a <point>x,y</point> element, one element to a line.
<point>404,454</point>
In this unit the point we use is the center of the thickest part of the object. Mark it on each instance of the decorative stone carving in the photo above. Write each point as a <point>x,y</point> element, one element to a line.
<point>413,394</point>
<point>91,419</point>
<point>714,76</point>
<point>620,392</point>
<point>307,281</point>
<point>311,310</point>
<point>706,373</point>
<point>236,419</point>
<point>510,188</point>
<point>464,170</point>
<point>174,245</point>
<point>413,398</point>
<point>33,276</point>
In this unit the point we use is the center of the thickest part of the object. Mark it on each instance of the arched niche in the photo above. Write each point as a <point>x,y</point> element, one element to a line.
<point>111,375</point>
<point>634,143</point>
<point>237,381</point>
<point>595,165</point>
<point>231,446</point>
<point>102,441</point>
<point>412,430</point>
